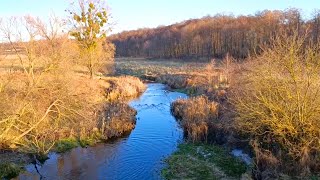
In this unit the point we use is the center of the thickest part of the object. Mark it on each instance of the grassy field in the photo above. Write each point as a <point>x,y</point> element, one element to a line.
<point>193,78</point>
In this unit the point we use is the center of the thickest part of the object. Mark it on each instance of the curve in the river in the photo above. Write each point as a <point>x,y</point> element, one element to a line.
<point>139,156</point>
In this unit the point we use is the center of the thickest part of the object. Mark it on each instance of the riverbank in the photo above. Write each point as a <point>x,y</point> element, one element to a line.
<point>113,118</point>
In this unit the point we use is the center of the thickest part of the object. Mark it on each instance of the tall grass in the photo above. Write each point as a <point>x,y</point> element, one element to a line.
<point>196,115</point>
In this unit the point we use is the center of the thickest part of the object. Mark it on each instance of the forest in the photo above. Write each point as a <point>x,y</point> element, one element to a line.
<point>215,36</point>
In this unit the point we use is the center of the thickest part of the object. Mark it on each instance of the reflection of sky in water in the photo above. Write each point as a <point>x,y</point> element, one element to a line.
<point>138,156</point>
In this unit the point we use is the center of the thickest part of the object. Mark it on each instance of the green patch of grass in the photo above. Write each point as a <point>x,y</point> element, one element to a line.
<point>66,145</point>
<point>9,170</point>
<point>315,177</point>
<point>70,143</point>
<point>182,90</point>
<point>202,161</point>
<point>87,142</point>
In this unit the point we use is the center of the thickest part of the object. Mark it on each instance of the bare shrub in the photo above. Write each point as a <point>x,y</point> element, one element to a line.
<point>277,102</point>
<point>45,99</point>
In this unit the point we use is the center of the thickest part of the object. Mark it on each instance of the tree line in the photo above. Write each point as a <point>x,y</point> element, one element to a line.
<point>215,36</point>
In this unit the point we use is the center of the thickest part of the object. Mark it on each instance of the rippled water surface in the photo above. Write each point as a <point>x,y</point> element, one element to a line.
<point>139,156</point>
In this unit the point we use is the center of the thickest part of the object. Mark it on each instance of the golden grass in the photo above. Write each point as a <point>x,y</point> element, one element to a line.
<point>196,115</point>
<point>123,87</point>
<point>195,78</point>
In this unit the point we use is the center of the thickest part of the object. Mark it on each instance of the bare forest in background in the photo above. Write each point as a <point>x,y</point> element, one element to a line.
<point>214,37</point>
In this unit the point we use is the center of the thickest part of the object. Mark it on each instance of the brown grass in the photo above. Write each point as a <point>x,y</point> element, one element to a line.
<point>196,115</point>
<point>117,120</point>
<point>211,79</point>
<point>123,88</point>
<point>63,105</point>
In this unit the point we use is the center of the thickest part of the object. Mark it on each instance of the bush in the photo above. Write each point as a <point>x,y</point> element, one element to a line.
<point>277,102</point>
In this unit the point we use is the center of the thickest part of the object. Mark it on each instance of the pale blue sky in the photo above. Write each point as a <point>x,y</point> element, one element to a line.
<point>133,14</point>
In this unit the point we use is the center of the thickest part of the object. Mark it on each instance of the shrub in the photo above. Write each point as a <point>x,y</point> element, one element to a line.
<point>277,102</point>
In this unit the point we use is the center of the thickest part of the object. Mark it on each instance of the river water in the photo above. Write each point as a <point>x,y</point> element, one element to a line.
<point>138,156</point>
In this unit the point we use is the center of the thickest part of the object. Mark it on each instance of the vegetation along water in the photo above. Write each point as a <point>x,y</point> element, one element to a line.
<point>219,97</point>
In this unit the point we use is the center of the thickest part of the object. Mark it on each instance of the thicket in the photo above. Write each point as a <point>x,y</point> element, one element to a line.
<point>46,95</point>
<point>276,98</point>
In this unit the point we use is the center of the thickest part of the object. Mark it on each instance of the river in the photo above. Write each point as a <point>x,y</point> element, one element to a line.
<point>138,156</point>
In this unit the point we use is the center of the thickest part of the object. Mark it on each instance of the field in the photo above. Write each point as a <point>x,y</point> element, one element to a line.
<point>191,77</point>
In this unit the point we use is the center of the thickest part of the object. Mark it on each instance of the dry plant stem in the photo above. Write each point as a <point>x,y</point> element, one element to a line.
<point>35,125</point>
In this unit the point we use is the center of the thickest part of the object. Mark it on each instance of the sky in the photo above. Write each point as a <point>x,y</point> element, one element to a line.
<point>134,14</point>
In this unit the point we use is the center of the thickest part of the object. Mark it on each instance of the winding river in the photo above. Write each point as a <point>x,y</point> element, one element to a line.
<point>138,156</point>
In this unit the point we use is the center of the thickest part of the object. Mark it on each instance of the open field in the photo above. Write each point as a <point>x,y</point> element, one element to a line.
<point>194,78</point>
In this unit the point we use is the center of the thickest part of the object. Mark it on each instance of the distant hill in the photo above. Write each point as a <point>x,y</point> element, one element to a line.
<point>214,36</point>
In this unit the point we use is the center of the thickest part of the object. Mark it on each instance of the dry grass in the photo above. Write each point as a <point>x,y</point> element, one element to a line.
<point>61,103</point>
<point>117,120</point>
<point>123,87</point>
<point>48,100</point>
<point>195,78</point>
<point>196,115</point>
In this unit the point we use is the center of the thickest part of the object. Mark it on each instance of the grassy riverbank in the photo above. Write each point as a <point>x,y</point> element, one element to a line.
<point>203,161</point>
